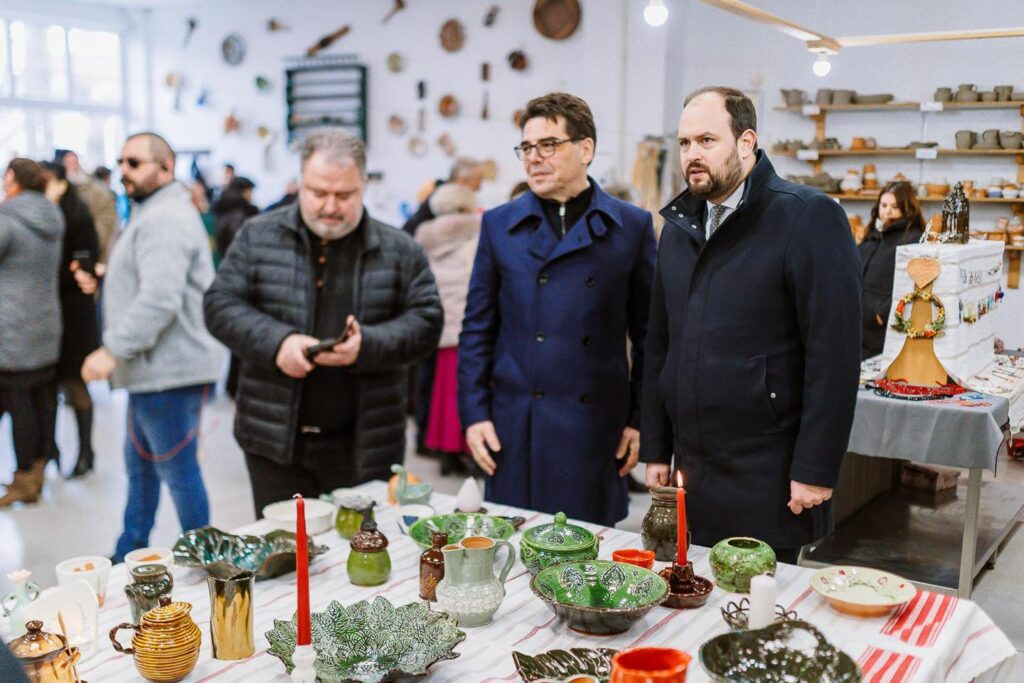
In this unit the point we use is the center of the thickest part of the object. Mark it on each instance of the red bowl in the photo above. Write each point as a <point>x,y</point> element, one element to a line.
<point>640,558</point>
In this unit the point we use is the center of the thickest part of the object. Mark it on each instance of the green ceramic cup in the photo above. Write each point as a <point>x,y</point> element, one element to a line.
<point>734,561</point>
<point>368,569</point>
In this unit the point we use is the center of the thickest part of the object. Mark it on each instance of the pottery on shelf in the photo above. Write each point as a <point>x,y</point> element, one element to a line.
<point>149,582</point>
<point>599,596</point>
<point>13,603</point>
<point>410,494</point>
<point>469,498</point>
<point>565,664</point>
<point>557,543</point>
<point>432,567</point>
<point>46,657</point>
<point>790,651</point>
<point>223,554</point>
<point>470,591</point>
<point>371,641</point>
<point>458,526</point>
<point>369,563</point>
<point>165,645</point>
<point>862,592</point>
<point>734,561</point>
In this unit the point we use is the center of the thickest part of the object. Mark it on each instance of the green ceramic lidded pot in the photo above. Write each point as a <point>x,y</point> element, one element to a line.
<point>734,561</point>
<point>349,517</point>
<point>368,561</point>
<point>550,544</point>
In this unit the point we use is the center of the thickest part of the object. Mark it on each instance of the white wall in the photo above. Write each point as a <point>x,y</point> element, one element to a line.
<point>588,64</point>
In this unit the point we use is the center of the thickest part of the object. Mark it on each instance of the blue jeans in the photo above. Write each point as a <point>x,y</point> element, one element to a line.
<point>160,446</point>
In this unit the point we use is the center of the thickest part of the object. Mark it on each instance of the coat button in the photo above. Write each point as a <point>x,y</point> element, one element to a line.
<point>584,398</point>
<point>322,260</point>
<point>590,281</point>
<point>543,279</point>
<point>586,340</point>
<point>772,394</point>
<point>319,284</point>
<point>540,336</point>
<point>538,395</point>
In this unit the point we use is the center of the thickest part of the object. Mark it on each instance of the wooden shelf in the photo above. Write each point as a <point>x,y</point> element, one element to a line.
<point>872,198</point>
<point>906,106</point>
<point>905,151</point>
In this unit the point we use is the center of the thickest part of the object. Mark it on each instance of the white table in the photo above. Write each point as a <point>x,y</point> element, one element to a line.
<point>942,638</point>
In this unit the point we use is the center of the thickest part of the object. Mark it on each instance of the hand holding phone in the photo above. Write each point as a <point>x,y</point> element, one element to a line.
<point>85,261</point>
<point>328,344</point>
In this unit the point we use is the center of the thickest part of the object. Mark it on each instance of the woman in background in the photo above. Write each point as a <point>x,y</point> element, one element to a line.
<point>895,220</point>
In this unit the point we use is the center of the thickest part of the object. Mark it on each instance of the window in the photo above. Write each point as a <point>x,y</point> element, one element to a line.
<point>61,86</point>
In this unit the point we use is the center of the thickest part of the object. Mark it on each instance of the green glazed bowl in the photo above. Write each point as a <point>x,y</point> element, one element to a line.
<point>599,597</point>
<point>458,525</point>
<point>371,642</point>
<point>550,544</point>
<point>734,561</point>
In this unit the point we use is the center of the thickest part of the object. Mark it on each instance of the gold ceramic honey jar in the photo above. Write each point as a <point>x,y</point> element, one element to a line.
<point>46,656</point>
<point>166,644</point>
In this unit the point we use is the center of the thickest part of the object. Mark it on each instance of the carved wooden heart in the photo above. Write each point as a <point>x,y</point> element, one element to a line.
<point>923,271</point>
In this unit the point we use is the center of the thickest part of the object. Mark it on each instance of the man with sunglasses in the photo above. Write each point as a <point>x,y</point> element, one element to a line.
<point>561,280</point>
<point>155,342</point>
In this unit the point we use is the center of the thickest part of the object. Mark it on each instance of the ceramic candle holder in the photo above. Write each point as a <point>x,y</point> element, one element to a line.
<point>686,589</point>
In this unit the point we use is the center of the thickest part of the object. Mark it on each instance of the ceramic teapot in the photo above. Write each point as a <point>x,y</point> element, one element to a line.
<point>46,656</point>
<point>470,591</point>
<point>165,645</point>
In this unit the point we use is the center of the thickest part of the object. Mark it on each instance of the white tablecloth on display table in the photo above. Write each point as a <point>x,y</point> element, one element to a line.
<point>934,638</point>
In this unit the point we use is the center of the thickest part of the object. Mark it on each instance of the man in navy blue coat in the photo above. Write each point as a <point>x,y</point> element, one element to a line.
<point>562,277</point>
<point>753,347</point>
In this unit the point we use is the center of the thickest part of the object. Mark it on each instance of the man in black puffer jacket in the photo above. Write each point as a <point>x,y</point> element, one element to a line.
<point>323,269</point>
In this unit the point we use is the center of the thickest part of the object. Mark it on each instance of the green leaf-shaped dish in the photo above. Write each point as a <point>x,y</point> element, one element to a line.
<point>371,642</point>
<point>563,664</point>
<point>599,596</point>
<point>459,525</point>
<point>223,554</point>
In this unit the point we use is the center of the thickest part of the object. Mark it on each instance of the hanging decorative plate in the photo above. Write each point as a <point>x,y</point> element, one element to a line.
<point>397,125</point>
<point>395,62</point>
<point>517,60</point>
<point>556,19</point>
<point>263,84</point>
<point>453,36</point>
<point>233,49</point>
<point>417,146</point>
<point>448,106</point>
<point>447,145</point>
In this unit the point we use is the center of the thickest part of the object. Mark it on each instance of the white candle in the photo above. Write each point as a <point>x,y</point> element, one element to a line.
<point>762,601</point>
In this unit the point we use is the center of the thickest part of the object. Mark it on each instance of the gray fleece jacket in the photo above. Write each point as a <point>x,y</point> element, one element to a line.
<point>153,297</point>
<point>31,239</point>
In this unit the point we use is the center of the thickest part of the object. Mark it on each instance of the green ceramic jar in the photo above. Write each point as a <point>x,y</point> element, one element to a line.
<point>734,561</point>
<point>350,514</point>
<point>658,529</point>
<point>550,544</point>
<point>368,561</point>
<point>149,582</point>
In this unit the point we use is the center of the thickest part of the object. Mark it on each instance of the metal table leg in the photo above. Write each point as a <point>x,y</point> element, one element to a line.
<point>969,548</point>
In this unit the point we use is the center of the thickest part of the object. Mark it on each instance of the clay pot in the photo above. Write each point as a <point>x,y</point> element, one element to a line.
<point>967,92</point>
<point>965,139</point>
<point>987,96</point>
<point>824,96</point>
<point>1010,139</point>
<point>1003,92</point>
<point>843,96</point>
<point>943,95</point>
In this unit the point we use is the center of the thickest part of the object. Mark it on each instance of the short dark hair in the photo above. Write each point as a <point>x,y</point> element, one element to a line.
<point>579,121</point>
<point>740,108</point>
<point>158,147</point>
<point>28,174</point>
<point>55,169</point>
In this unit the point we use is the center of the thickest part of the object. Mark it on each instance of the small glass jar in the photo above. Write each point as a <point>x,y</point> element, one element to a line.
<point>658,530</point>
<point>150,581</point>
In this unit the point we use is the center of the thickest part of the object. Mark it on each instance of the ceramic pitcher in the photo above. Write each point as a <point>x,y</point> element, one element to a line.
<point>470,592</point>
<point>13,603</point>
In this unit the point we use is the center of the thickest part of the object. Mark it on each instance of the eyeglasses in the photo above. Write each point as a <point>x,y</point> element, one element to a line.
<point>545,148</point>
<point>134,163</point>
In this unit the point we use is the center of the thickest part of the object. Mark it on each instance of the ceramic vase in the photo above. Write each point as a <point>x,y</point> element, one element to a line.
<point>734,561</point>
<point>149,582</point>
<point>432,567</point>
<point>13,603</point>
<point>658,529</point>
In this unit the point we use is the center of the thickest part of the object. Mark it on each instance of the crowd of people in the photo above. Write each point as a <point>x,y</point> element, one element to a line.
<point>553,342</point>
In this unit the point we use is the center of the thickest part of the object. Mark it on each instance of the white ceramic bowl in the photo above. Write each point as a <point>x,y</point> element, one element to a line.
<point>93,569</point>
<point>409,514</point>
<point>142,556</point>
<point>319,515</point>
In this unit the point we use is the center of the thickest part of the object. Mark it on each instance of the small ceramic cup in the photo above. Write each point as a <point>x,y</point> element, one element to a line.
<point>650,665</point>
<point>142,556</point>
<point>409,514</point>
<point>93,569</point>
<point>640,558</point>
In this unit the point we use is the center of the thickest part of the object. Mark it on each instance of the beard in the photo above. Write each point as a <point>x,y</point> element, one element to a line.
<point>337,228</point>
<point>720,182</point>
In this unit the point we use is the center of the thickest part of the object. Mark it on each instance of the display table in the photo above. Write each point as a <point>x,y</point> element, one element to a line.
<point>918,534</point>
<point>934,638</point>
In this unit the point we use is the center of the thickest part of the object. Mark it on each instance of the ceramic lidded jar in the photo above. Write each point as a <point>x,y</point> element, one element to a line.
<point>165,645</point>
<point>557,543</point>
<point>432,566</point>
<point>658,529</point>
<point>368,561</point>
<point>350,514</point>
<point>150,581</point>
<point>46,657</point>
<point>734,561</point>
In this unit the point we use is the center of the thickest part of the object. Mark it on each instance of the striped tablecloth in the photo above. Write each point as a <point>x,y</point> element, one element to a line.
<point>934,638</point>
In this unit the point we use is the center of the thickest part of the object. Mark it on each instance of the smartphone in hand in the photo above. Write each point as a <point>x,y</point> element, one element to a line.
<point>85,261</point>
<point>328,344</point>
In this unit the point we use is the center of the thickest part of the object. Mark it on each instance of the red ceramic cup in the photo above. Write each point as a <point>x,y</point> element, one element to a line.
<point>641,558</point>
<point>650,665</point>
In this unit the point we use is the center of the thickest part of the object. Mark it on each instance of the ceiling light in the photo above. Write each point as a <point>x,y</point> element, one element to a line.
<point>656,13</point>
<point>822,66</point>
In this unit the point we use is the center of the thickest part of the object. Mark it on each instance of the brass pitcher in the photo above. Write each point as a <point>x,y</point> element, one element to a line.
<point>46,656</point>
<point>165,645</point>
<point>231,615</point>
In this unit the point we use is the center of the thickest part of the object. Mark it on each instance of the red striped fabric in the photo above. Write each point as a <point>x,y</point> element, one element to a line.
<point>921,620</point>
<point>883,666</point>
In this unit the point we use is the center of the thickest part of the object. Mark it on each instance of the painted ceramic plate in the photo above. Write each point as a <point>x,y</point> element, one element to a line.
<point>458,525</point>
<point>371,642</point>
<point>861,591</point>
<point>565,664</point>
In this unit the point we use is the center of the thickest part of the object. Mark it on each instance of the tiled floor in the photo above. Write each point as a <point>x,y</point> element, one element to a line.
<point>83,517</point>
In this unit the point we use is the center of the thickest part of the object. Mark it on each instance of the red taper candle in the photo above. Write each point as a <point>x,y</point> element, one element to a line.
<point>304,635</point>
<point>680,519</point>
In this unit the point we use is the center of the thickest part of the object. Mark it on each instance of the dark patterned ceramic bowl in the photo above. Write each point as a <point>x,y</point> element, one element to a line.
<point>224,554</point>
<point>599,596</point>
<point>371,642</point>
